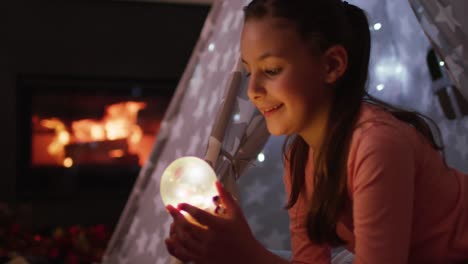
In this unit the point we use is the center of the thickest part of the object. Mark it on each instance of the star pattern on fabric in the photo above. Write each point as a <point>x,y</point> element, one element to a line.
<point>280,165</point>
<point>194,142</point>
<point>163,131</point>
<point>141,242</point>
<point>196,82</point>
<point>226,24</point>
<point>420,10</point>
<point>246,110</point>
<point>207,29</point>
<point>157,173</point>
<point>153,244</point>
<point>237,50</point>
<point>238,20</point>
<point>236,144</point>
<point>158,204</point>
<point>213,65</point>
<point>208,130</point>
<point>254,223</point>
<point>461,145</point>
<point>458,51</point>
<point>200,110</point>
<point>134,225</point>
<point>122,260</point>
<point>178,153</point>
<point>431,30</point>
<point>406,30</point>
<point>445,130</point>
<point>162,260</point>
<point>227,59</point>
<point>282,198</point>
<point>162,165</point>
<point>276,239</point>
<point>255,193</point>
<point>214,101</point>
<point>166,225</point>
<point>445,15</point>
<point>455,68</point>
<point>256,120</point>
<point>177,128</point>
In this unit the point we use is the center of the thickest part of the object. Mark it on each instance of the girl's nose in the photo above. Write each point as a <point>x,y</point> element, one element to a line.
<point>255,89</point>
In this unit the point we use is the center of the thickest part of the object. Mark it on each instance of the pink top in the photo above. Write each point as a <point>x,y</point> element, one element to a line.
<point>407,206</point>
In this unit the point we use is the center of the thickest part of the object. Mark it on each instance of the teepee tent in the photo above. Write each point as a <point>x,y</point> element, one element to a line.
<point>210,116</point>
<point>211,89</point>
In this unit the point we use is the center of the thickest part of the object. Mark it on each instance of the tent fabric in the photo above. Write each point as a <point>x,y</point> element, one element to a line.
<point>188,129</point>
<point>446,25</point>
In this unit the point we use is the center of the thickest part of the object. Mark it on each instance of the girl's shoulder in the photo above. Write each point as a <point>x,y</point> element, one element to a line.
<point>377,129</point>
<point>375,121</point>
<point>373,117</point>
<point>380,142</point>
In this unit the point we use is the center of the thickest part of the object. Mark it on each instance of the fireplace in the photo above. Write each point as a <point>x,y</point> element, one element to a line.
<point>85,137</point>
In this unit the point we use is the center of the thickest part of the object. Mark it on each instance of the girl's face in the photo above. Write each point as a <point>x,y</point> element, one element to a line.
<point>287,80</point>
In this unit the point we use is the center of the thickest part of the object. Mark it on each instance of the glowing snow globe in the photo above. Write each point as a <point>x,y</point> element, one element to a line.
<point>189,180</point>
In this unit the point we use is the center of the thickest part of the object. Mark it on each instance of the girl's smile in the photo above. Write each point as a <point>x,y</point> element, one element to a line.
<point>268,111</point>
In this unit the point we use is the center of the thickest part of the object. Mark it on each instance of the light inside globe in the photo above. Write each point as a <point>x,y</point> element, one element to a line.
<point>189,180</point>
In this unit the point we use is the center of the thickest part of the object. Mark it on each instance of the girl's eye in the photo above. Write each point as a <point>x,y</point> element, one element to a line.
<point>273,72</point>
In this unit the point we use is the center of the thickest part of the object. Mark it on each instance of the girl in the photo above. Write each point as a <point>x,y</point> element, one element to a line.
<point>359,173</point>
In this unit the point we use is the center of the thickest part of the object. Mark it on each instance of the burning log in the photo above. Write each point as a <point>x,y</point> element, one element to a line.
<point>100,152</point>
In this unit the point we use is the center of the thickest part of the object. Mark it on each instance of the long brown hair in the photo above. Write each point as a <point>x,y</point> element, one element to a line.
<point>327,23</point>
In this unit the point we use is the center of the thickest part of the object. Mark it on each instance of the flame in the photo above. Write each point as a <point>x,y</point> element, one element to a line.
<point>119,122</point>
<point>61,138</point>
<point>68,162</point>
<point>121,118</point>
<point>116,153</point>
<point>88,130</point>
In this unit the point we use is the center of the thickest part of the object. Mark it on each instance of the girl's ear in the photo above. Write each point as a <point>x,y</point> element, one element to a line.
<point>335,60</point>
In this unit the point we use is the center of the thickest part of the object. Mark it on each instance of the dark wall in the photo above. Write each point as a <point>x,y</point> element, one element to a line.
<point>100,39</point>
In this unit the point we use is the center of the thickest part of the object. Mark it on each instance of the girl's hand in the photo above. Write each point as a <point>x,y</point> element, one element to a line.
<point>225,238</point>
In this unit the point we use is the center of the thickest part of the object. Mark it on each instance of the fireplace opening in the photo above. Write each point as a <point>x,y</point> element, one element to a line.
<point>85,137</point>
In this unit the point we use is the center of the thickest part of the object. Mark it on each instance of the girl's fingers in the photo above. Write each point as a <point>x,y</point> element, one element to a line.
<point>226,198</point>
<point>181,238</point>
<point>201,216</point>
<point>190,243</point>
<point>182,225</point>
<point>177,249</point>
<point>171,230</point>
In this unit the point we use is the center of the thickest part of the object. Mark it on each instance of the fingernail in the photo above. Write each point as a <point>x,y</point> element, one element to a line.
<point>172,210</point>
<point>220,210</point>
<point>219,184</point>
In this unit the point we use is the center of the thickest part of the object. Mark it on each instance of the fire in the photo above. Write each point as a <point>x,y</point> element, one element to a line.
<point>68,162</point>
<point>88,130</point>
<point>62,137</point>
<point>119,122</point>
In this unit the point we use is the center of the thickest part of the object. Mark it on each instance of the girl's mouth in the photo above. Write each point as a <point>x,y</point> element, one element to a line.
<point>269,111</point>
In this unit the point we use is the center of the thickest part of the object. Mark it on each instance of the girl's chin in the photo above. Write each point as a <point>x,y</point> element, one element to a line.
<point>276,131</point>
